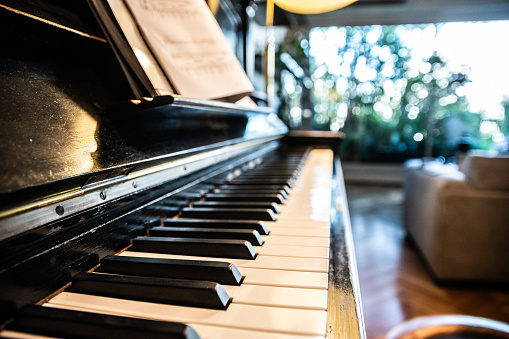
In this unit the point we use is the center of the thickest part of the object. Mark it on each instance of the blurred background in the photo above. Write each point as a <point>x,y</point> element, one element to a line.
<point>401,78</point>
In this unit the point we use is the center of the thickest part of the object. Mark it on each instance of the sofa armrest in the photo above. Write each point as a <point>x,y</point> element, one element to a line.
<point>487,170</point>
<point>462,231</point>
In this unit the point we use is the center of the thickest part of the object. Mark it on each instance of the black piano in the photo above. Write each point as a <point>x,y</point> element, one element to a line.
<point>138,216</point>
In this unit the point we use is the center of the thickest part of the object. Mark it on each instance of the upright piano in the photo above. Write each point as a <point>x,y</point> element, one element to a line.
<point>157,216</point>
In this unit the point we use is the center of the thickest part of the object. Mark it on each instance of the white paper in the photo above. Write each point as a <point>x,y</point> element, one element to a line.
<point>190,47</point>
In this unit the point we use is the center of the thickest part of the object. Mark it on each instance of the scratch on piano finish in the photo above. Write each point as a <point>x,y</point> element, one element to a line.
<point>169,217</point>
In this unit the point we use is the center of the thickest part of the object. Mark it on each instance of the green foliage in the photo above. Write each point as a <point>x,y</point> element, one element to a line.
<point>392,104</point>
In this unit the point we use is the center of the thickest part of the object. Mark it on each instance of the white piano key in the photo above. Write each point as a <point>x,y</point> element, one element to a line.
<point>306,201</point>
<point>261,261</point>
<point>301,223</point>
<point>304,215</point>
<point>295,241</point>
<point>267,277</point>
<point>287,297</point>
<point>293,251</point>
<point>300,232</point>
<point>22,335</point>
<point>287,263</point>
<point>308,197</point>
<point>214,332</point>
<point>249,317</point>
<point>305,205</point>
<point>296,213</point>
<point>303,218</point>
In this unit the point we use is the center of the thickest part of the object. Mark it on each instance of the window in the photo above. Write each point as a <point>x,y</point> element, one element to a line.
<point>399,92</point>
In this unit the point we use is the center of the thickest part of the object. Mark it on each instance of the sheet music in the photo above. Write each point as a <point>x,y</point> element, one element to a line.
<point>150,66</point>
<point>190,47</point>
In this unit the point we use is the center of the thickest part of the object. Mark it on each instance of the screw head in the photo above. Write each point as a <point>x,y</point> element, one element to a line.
<point>60,210</point>
<point>103,195</point>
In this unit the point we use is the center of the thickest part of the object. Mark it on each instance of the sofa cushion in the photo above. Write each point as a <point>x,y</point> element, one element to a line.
<point>486,170</point>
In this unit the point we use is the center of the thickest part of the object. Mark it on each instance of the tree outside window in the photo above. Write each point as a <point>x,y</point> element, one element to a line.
<point>393,90</point>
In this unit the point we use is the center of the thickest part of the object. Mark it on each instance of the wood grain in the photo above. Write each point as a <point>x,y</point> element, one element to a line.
<point>395,284</point>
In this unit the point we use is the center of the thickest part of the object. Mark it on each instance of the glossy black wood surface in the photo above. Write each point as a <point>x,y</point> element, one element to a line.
<point>54,84</point>
<point>67,115</point>
<point>73,15</point>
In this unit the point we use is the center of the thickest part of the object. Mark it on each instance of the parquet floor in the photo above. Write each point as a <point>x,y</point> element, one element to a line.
<point>395,285</point>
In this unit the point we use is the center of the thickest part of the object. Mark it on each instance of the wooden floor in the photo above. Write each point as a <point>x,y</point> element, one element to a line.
<point>395,285</point>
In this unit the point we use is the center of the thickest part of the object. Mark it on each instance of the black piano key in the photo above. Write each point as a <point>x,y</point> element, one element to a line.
<point>247,187</point>
<point>227,213</point>
<point>217,271</point>
<point>267,177</point>
<point>193,293</point>
<point>277,174</point>
<point>61,323</point>
<point>258,190</point>
<point>203,188</point>
<point>261,181</point>
<point>262,197</point>
<point>239,224</point>
<point>160,211</point>
<point>288,171</point>
<point>216,182</point>
<point>238,204</point>
<point>219,248</point>
<point>172,203</point>
<point>208,233</point>
<point>187,196</point>
<point>143,220</point>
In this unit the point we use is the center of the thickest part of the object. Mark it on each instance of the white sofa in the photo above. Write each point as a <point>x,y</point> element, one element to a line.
<point>459,218</point>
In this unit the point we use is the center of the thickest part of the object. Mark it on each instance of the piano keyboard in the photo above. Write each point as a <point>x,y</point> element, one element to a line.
<point>281,291</point>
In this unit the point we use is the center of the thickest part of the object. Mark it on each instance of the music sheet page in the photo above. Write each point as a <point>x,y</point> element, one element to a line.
<point>190,47</point>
